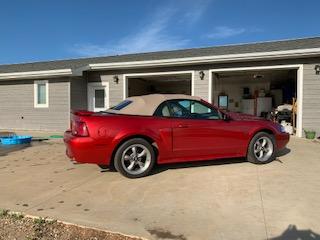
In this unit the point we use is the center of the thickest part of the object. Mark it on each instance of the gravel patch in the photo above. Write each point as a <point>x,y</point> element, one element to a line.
<point>15,226</point>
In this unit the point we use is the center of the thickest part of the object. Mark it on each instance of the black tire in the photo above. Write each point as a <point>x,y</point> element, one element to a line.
<point>107,167</point>
<point>103,167</point>
<point>251,156</point>
<point>120,152</point>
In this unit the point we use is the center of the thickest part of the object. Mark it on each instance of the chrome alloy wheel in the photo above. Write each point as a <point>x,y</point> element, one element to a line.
<point>136,159</point>
<point>263,149</point>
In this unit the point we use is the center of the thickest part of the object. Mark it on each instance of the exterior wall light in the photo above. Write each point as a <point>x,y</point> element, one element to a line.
<point>317,69</point>
<point>201,75</point>
<point>116,79</point>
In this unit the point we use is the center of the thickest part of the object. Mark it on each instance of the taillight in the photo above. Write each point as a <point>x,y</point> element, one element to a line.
<point>79,129</point>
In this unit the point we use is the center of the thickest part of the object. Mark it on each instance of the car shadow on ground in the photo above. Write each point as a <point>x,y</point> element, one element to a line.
<point>195,164</point>
<point>283,152</point>
<point>292,233</point>
<point>164,167</point>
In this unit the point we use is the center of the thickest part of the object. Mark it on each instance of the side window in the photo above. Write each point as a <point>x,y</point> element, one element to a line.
<point>186,109</point>
<point>162,111</point>
<point>201,111</point>
<point>180,108</point>
<point>41,94</point>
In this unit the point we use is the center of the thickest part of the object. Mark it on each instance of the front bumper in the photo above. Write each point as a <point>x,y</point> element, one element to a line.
<point>282,140</point>
<point>85,149</point>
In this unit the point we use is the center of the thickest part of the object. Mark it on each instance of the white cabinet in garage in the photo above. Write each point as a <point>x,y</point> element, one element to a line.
<point>247,106</point>
<point>256,106</point>
<point>264,104</point>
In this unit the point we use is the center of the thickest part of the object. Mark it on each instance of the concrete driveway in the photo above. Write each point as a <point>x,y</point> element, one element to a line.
<point>216,200</point>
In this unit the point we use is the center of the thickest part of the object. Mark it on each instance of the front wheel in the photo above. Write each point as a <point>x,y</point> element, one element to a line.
<point>261,148</point>
<point>135,158</point>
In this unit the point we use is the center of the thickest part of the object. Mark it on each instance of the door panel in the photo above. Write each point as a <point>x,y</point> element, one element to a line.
<point>199,132</point>
<point>206,138</point>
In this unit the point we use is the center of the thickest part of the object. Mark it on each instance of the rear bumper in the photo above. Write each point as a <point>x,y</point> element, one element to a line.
<point>282,140</point>
<point>86,149</point>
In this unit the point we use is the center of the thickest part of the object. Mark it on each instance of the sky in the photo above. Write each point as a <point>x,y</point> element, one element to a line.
<point>39,30</point>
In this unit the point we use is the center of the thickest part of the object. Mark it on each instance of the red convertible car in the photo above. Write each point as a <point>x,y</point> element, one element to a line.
<point>156,129</point>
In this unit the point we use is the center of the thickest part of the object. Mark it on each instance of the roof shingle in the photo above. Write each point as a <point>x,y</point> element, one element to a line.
<point>283,45</point>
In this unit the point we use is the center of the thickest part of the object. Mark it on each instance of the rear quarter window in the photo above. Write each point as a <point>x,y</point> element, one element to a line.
<point>122,105</point>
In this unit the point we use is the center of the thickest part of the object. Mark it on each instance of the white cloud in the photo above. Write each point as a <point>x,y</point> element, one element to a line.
<point>152,37</point>
<point>195,10</point>
<point>225,32</point>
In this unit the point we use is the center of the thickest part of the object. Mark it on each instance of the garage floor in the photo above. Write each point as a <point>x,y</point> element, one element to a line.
<point>216,200</point>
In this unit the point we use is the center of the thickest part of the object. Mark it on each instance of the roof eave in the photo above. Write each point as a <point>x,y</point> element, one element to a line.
<point>273,55</point>
<point>36,74</point>
<point>206,59</point>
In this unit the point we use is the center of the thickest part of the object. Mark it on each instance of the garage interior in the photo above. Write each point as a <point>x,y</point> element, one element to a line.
<point>165,84</point>
<point>271,94</point>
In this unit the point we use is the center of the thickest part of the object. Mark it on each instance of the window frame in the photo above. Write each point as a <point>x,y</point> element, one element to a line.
<point>104,98</point>
<point>35,93</point>
<point>167,103</point>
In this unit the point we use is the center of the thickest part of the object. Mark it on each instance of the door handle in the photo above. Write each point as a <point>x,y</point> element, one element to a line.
<point>182,125</point>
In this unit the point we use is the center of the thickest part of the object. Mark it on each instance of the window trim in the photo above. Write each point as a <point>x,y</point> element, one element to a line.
<point>35,93</point>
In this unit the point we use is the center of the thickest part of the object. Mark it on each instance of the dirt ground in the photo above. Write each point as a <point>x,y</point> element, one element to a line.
<point>18,227</point>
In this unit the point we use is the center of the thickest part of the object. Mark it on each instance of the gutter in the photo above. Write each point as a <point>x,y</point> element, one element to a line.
<point>36,74</point>
<point>206,59</point>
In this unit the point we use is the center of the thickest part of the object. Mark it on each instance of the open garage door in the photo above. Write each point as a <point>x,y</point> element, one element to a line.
<point>272,93</point>
<point>165,83</point>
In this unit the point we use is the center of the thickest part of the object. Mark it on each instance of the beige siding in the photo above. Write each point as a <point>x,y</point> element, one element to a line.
<point>311,99</point>
<point>78,93</point>
<point>201,87</point>
<point>115,89</point>
<point>17,106</point>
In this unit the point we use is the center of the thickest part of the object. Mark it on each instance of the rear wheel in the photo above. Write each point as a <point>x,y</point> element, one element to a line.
<point>261,148</point>
<point>135,158</point>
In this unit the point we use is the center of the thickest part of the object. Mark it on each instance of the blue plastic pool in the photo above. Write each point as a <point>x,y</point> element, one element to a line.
<point>15,140</point>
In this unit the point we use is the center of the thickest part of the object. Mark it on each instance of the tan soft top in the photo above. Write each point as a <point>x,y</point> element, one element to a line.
<point>146,105</point>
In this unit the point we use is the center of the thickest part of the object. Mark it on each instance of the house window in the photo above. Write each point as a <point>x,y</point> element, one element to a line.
<point>41,94</point>
<point>99,97</point>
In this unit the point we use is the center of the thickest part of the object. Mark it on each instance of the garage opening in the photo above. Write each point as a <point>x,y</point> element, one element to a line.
<point>165,84</point>
<point>270,94</point>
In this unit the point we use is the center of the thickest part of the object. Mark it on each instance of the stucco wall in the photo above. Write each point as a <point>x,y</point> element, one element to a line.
<point>17,106</point>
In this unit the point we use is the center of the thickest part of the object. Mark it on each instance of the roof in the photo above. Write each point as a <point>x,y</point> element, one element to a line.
<point>146,105</point>
<point>283,45</point>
